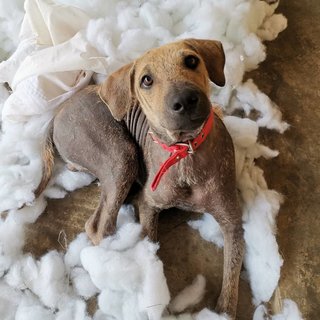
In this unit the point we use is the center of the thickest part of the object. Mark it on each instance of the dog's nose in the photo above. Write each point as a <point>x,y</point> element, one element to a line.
<point>185,101</point>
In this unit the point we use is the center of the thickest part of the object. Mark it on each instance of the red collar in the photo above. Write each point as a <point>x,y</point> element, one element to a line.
<point>181,150</point>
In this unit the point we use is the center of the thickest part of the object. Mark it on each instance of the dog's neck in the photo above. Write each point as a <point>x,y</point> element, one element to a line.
<point>137,124</point>
<point>139,127</point>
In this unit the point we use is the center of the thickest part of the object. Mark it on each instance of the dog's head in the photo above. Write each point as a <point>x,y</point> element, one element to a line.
<point>171,84</point>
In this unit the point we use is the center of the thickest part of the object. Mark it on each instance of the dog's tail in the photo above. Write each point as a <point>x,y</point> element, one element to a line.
<point>47,156</point>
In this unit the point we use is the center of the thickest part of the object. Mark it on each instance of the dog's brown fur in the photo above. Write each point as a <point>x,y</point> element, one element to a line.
<point>103,140</point>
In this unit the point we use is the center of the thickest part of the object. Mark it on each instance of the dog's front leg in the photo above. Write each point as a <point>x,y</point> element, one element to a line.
<point>229,219</point>
<point>148,217</point>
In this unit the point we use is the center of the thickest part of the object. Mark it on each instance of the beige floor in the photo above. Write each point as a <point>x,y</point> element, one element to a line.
<point>291,77</point>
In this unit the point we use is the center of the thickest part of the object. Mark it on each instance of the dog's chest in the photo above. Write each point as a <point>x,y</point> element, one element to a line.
<point>184,173</point>
<point>180,185</point>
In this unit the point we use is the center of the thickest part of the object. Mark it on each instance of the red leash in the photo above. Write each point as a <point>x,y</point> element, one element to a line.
<point>181,150</point>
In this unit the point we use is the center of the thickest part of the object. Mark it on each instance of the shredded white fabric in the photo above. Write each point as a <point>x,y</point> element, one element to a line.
<point>61,45</point>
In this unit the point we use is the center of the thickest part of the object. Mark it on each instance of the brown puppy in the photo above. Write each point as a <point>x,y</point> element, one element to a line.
<point>104,130</point>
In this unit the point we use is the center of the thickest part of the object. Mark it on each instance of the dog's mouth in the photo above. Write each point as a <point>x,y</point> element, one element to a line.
<point>183,129</point>
<point>186,135</point>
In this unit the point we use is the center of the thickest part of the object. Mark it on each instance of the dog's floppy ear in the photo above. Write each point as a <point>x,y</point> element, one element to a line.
<point>117,91</point>
<point>212,53</point>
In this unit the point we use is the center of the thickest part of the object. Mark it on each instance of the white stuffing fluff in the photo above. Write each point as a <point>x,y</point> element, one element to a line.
<point>73,309</point>
<point>80,278</point>
<point>70,180</point>
<point>272,26</point>
<point>260,207</point>
<point>204,314</point>
<point>248,97</point>
<point>11,15</point>
<point>82,283</point>
<point>209,229</point>
<point>4,94</point>
<point>129,275</point>
<point>9,301</point>
<point>11,243</point>
<point>207,314</point>
<point>190,295</point>
<point>30,307</point>
<point>57,42</point>
<point>126,214</point>
<point>72,256</point>
<point>45,278</point>
<point>29,214</point>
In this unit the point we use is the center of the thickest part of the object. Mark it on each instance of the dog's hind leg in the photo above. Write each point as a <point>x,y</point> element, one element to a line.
<point>114,190</point>
<point>87,136</point>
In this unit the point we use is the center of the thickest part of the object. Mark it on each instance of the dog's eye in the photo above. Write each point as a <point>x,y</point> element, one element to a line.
<point>191,62</point>
<point>146,81</point>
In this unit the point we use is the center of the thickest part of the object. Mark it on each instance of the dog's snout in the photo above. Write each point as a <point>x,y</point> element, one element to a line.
<point>187,107</point>
<point>185,101</point>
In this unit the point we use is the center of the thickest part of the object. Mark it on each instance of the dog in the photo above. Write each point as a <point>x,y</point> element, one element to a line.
<point>149,134</point>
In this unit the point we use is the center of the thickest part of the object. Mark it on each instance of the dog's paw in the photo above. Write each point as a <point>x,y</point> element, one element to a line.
<point>97,233</point>
<point>225,307</point>
<point>92,232</point>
